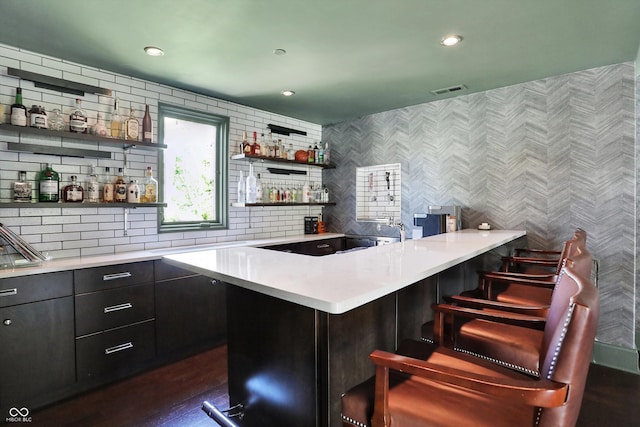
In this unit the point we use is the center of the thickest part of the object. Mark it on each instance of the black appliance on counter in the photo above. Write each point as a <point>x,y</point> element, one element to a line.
<point>435,222</point>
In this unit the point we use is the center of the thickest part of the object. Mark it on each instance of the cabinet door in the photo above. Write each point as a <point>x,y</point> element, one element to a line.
<point>190,313</point>
<point>37,355</point>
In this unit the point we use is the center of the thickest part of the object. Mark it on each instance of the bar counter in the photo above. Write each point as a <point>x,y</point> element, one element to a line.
<point>300,328</point>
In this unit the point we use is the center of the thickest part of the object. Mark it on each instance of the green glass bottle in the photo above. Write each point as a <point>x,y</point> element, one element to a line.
<point>48,185</point>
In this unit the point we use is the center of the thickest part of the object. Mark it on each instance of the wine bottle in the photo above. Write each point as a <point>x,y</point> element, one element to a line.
<point>22,188</point>
<point>147,126</point>
<point>18,110</point>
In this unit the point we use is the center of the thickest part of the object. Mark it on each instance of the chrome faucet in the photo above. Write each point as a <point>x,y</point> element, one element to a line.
<point>400,226</point>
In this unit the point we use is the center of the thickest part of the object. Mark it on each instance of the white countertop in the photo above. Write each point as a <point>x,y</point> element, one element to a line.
<point>75,263</point>
<point>340,282</point>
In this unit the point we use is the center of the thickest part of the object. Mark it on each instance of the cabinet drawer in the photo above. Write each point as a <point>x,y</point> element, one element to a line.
<point>35,287</point>
<point>164,271</point>
<point>97,311</point>
<point>112,276</point>
<point>116,352</point>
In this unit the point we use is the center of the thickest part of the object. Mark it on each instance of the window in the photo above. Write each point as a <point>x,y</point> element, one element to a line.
<point>193,169</point>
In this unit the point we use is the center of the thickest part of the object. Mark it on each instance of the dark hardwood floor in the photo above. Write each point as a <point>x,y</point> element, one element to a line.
<point>172,396</point>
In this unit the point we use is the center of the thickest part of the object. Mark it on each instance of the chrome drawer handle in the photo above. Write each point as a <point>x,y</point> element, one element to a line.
<point>324,246</point>
<point>115,276</point>
<point>119,347</point>
<point>118,307</point>
<point>8,292</point>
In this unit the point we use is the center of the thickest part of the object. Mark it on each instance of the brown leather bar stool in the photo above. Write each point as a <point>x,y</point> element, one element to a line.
<point>428,385</point>
<point>510,339</point>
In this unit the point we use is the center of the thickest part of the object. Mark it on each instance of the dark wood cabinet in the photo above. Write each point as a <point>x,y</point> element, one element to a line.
<point>190,311</point>
<point>37,358</point>
<point>114,321</point>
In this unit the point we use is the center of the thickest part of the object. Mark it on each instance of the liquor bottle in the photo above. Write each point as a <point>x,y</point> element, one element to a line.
<point>327,158</point>
<point>107,189</point>
<point>93,187</point>
<point>255,147</point>
<point>78,119</point>
<point>264,147</point>
<point>18,110</point>
<point>310,155</point>
<point>37,117</point>
<point>291,153</point>
<point>116,120</point>
<point>320,158</point>
<point>316,154</point>
<point>131,127</point>
<point>241,189</point>
<point>133,192</point>
<point>120,188</point>
<point>22,188</point>
<point>258,189</point>
<point>149,192</point>
<point>246,146</point>
<point>251,186</point>
<point>306,193</point>
<point>73,192</point>
<point>147,126</point>
<point>48,185</point>
<point>100,128</point>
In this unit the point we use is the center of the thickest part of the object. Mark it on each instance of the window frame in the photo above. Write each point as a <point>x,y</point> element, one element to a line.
<point>221,186</point>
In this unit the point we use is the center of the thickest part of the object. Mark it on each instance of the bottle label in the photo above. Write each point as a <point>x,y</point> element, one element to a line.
<point>92,192</point>
<point>132,129</point>
<point>120,192</point>
<point>38,121</point>
<point>22,192</point>
<point>49,190</point>
<point>147,136</point>
<point>18,117</point>
<point>107,194</point>
<point>150,193</point>
<point>77,123</point>
<point>74,195</point>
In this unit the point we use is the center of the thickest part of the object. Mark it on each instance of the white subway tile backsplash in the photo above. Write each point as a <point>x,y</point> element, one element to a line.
<point>88,230</point>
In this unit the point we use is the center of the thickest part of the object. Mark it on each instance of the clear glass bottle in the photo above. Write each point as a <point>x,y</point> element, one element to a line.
<point>78,119</point>
<point>316,154</point>
<point>56,120</point>
<point>291,153</point>
<point>120,188</point>
<point>18,110</point>
<point>132,127</point>
<point>93,187</point>
<point>22,188</point>
<point>133,192</point>
<point>241,189</point>
<point>147,125</point>
<point>251,186</point>
<point>107,189</point>
<point>73,192</point>
<point>258,189</point>
<point>149,191</point>
<point>48,185</point>
<point>116,120</point>
<point>100,129</point>
<point>327,158</point>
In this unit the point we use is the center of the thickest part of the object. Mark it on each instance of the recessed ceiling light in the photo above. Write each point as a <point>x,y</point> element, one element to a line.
<point>451,40</point>
<point>153,51</point>
<point>279,51</point>
<point>288,92</point>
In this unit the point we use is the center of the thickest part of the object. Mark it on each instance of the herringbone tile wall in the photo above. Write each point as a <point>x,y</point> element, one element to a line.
<point>546,156</point>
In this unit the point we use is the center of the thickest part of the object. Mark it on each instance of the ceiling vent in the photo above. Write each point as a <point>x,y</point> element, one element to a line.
<point>447,90</point>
